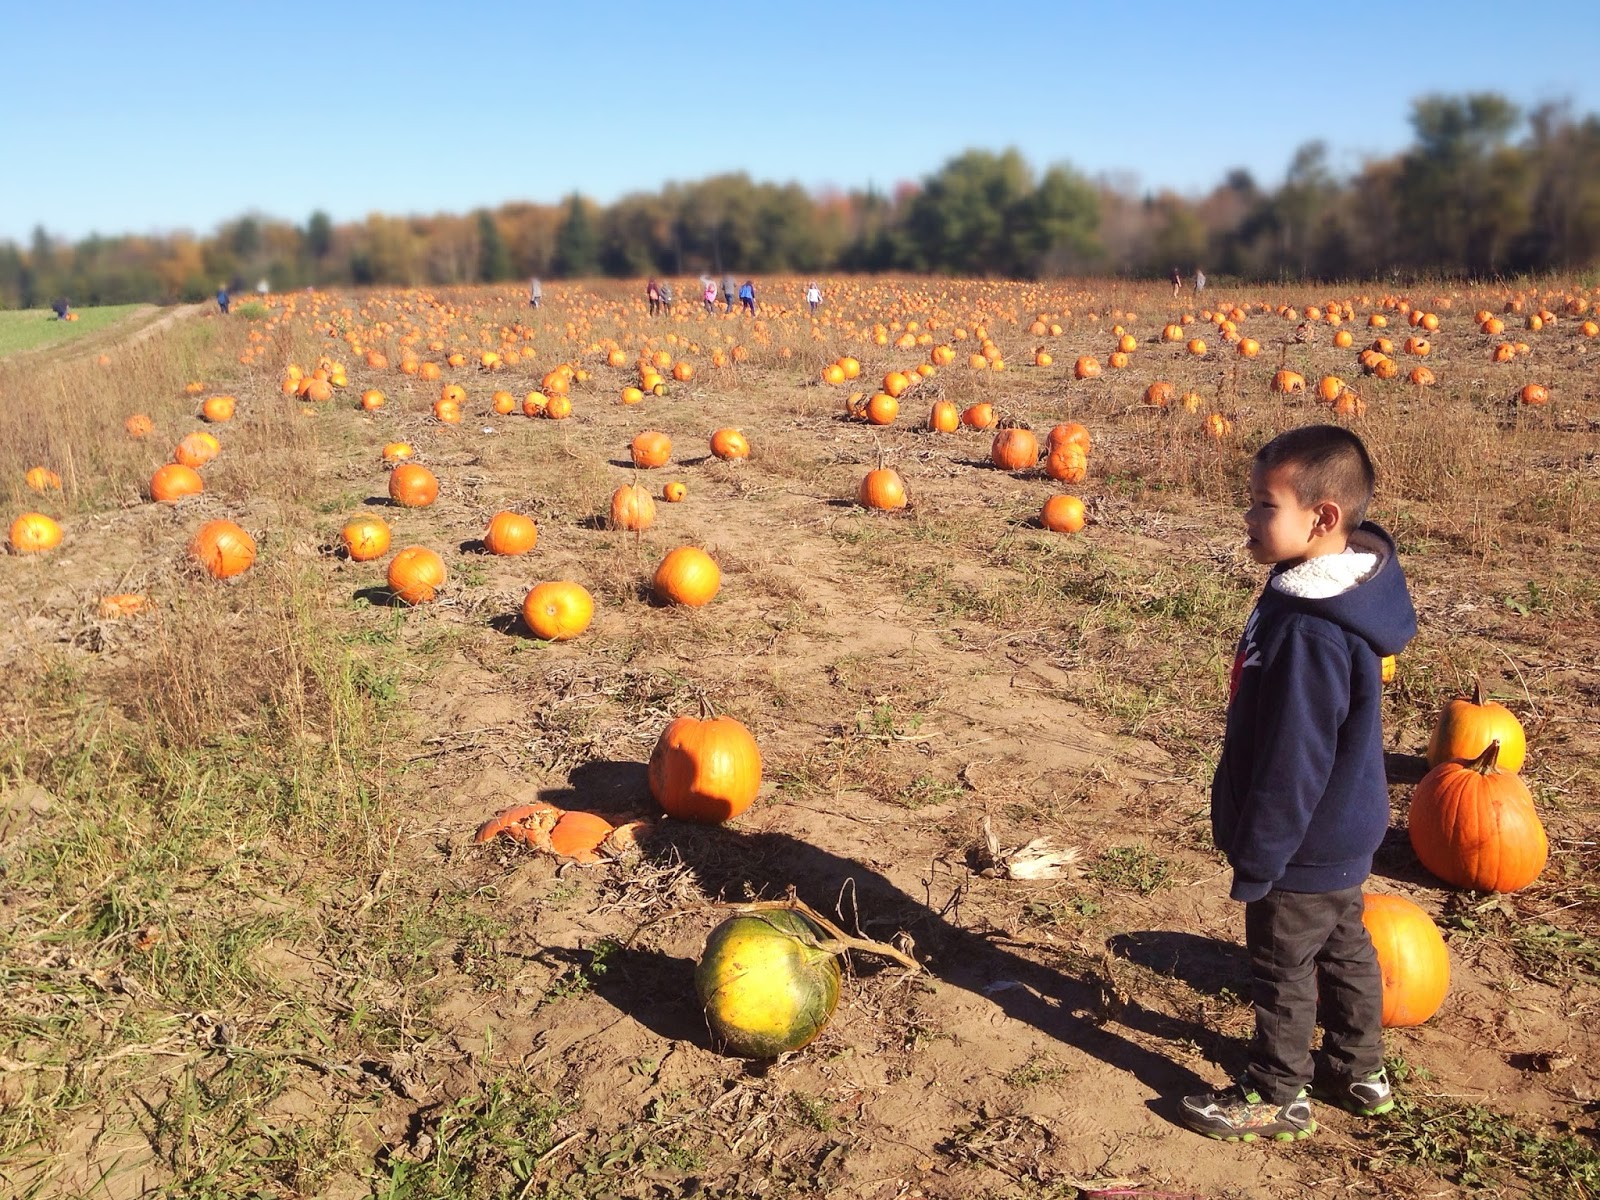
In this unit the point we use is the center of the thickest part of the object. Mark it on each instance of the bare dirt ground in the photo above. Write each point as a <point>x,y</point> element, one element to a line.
<point>906,677</point>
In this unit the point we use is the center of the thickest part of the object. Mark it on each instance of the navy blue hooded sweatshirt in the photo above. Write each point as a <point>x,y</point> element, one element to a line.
<point>1300,802</point>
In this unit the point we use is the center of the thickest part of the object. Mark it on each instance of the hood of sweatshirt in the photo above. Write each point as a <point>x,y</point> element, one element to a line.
<point>1373,603</point>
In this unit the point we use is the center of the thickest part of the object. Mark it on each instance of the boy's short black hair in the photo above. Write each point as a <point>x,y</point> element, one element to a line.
<point>1327,462</point>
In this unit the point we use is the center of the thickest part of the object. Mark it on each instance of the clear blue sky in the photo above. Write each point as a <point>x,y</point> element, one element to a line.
<point>126,117</point>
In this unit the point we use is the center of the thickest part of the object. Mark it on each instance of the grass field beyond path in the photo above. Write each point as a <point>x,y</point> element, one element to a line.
<point>31,328</point>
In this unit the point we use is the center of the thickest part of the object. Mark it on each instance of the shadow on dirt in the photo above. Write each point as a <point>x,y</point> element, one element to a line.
<point>1206,964</point>
<point>1074,999</point>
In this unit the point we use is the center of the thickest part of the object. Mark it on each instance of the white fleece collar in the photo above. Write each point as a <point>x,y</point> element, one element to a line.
<point>1334,574</point>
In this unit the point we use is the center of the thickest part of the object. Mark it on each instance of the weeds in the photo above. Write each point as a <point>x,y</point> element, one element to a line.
<point>1133,868</point>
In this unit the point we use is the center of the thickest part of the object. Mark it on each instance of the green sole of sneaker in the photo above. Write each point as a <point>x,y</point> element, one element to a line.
<point>1295,1135</point>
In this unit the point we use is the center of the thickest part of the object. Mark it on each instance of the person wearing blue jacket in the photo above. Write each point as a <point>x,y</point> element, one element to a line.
<point>1300,801</point>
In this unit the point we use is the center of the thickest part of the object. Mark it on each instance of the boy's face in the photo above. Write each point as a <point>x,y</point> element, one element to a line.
<point>1279,529</point>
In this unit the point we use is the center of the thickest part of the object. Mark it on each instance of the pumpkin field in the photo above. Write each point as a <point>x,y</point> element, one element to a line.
<point>400,686</point>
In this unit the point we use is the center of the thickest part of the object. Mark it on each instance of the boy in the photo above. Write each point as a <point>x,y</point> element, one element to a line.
<point>1300,802</point>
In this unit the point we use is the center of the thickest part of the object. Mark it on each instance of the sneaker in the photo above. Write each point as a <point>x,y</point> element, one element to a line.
<point>1370,1096</point>
<point>1239,1114</point>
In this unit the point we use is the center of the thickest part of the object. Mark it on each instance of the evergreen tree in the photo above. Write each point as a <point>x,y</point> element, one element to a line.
<point>577,246</point>
<point>494,264</point>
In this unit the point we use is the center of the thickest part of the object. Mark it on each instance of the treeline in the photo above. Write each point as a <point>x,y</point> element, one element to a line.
<point>1484,190</point>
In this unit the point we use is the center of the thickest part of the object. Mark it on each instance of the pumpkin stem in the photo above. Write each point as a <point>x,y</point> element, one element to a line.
<point>707,710</point>
<point>1484,764</point>
<point>1477,691</point>
<point>838,940</point>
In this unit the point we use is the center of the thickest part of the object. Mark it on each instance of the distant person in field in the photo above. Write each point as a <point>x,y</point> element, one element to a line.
<point>61,308</point>
<point>666,297</point>
<point>747,296</point>
<point>652,296</point>
<point>223,299</point>
<point>730,289</point>
<point>1199,281</point>
<point>1300,801</point>
<point>813,296</point>
<point>710,295</point>
<point>1177,281</point>
<point>535,293</point>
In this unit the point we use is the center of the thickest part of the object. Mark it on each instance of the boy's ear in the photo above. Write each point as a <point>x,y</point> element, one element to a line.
<point>1329,518</point>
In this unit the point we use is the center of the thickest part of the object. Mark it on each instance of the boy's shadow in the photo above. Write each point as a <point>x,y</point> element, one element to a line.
<point>728,864</point>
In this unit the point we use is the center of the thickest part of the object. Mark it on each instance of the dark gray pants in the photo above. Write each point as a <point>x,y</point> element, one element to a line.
<point>1311,960</point>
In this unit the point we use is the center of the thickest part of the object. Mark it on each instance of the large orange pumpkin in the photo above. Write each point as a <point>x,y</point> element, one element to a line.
<point>196,449</point>
<point>510,533</point>
<point>1466,727</point>
<point>979,416</point>
<point>729,444</point>
<point>706,770</point>
<point>173,482</point>
<point>558,610</point>
<point>1015,450</point>
<point>688,576</point>
<point>1062,514</point>
<point>412,485</point>
<point>218,408</point>
<point>1069,434</point>
<point>1475,826</point>
<point>1067,463</point>
<point>416,574</point>
<point>365,538</point>
<point>1412,957</point>
<point>651,449</point>
<point>882,489</point>
<point>223,549</point>
<point>944,417</point>
<point>34,532</point>
<point>632,508</point>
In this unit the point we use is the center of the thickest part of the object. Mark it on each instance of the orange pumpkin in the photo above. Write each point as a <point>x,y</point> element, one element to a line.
<point>1067,463</point>
<point>558,610</point>
<point>706,770</point>
<point>33,533</point>
<point>412,485</point>
<point>1412,959</point>
<point>1087,367</point>
<point>1466,727</point>
<point>632,508</point>
<point>138,425</point>
<point>651,449</point>
<point>1475,826</point>
<point>416,574</point>
<point>687,576</point>
<point>1015,449</point>
<point>218,408</point>
<point>979,416</point>
<point>673,492</point>
<point>223,549</point>
<point>1068,434</point>
<point>173,482</point>
<point>510,534</point>
<point>121,604</point>
<point>1062,514</point>
<point>1534,394</point>
<point>395,452</point>
<point>882,409</point>
<point>729,444</point>
<point>196,449</point>
<point>882,489</point>
<point>944,417</point>
<point>365,538</point>
<point>42,479</point>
